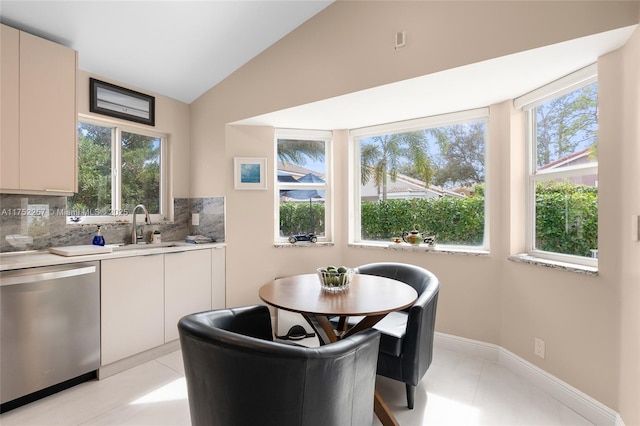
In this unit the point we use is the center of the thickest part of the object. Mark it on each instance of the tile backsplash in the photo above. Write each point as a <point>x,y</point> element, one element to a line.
<point>34,222</point>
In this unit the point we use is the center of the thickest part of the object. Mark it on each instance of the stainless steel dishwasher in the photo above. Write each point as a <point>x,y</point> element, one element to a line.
<point>49,330</point>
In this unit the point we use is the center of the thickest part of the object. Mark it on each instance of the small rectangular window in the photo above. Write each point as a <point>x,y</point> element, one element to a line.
<point>303,186</point>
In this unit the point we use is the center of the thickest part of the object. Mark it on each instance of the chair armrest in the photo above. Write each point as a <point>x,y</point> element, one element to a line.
<point>253,321</point>
<point>418,349</point>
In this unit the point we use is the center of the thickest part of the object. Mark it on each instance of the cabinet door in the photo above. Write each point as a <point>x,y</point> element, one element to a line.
<point>132,306</point>
<point>218,278</point>
<point>47,115</point>
<point>187,286</point>
<point>9,107</point>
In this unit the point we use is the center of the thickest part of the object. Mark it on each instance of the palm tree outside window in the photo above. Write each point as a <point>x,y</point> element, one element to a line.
<point>427,175</point>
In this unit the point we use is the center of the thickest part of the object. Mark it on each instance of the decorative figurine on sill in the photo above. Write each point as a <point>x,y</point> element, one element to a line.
<point>415,237</point>
<point>303,237</point>
<point>430,240</point>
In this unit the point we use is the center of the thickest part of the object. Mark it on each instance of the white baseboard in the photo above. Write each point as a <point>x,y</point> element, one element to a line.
<point>138,359</point>
<point>581,403</point>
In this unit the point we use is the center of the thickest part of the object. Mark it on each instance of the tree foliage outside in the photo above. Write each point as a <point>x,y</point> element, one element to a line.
<point>455,221</point>
<point>567,124</point>
<point>448,156</point>
<point>300,151</point>
<point>462,153</point>
<point>301,217</point>
<point>140,172</point>
<point>94,171</point>
<point>566,218</point>
<point>382,157</point>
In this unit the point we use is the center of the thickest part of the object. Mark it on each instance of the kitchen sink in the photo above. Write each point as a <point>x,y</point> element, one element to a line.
<point>147,246</point>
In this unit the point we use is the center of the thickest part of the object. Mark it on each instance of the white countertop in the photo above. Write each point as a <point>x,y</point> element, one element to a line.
<point>32,259</point>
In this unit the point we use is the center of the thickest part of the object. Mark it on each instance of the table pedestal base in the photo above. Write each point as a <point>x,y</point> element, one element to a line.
<point>383,411</point>
<point>327,334</point>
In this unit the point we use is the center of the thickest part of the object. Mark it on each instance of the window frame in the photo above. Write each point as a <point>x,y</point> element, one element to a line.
<point>441,120</point>
<point>117,128</point>
<point>327,187</point>
<point>528,103</point>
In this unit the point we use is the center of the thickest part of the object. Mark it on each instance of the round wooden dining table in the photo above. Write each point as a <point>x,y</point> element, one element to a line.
<point>368,296</point>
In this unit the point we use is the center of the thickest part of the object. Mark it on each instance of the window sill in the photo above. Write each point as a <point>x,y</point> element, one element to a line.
<point>554,264</point>
<point>466,251</point>
<point>303,244</point>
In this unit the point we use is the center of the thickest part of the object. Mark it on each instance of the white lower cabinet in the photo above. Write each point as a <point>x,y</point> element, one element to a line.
<point>132,306</point>
<point>187,287</point>
<point>218,278</point>
<point>143,297</point>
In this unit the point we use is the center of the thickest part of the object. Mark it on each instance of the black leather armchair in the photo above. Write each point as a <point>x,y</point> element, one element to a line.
<point>406,345</point>
<point>237,375</point>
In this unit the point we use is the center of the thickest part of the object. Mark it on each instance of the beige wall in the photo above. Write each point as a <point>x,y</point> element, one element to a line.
<point>590,324</point>
<point>172,118</point>
<point>620,142</point>
<point>323,58</point>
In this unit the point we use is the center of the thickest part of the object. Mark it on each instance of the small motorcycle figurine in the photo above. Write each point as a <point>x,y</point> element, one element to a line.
<point>415,238</point>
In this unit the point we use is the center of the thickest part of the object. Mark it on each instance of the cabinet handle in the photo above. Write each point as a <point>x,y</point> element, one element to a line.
<point>52,274</point>
<point>57,190</point>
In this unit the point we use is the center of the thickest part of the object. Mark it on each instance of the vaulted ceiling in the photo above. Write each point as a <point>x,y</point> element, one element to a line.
<point>181,49</point>
<point>178,49</point>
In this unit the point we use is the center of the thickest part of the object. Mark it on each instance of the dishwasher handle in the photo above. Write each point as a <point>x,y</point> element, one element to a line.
<point>24,278</point>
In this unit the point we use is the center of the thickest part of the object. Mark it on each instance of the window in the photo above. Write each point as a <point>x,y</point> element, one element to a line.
<point>303,186</point>
<point>118,168</point>
<point>562,118</point>
<point>426,175</point>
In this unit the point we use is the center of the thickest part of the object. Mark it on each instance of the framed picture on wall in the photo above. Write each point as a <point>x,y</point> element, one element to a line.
<point>115,101</point>
<point>250,173</point>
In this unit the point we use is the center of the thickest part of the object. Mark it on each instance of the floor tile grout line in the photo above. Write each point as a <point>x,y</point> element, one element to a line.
<point>169,367</point>
<point>477,386</point>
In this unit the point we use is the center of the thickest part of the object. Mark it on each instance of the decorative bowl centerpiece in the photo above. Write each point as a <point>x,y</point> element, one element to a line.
<point>335,279</point>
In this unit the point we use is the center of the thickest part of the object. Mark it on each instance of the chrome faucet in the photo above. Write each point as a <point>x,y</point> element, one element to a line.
<point>135,237</point>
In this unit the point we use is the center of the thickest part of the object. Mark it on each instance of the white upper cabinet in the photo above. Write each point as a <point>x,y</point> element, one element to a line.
<point>38,143</point>
<point>9,107</point>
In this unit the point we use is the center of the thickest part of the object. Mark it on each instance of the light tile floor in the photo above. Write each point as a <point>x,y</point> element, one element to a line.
<point>457,390</point>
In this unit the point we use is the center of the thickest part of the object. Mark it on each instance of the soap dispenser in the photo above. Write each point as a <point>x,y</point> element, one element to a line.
<point>98,239</point>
